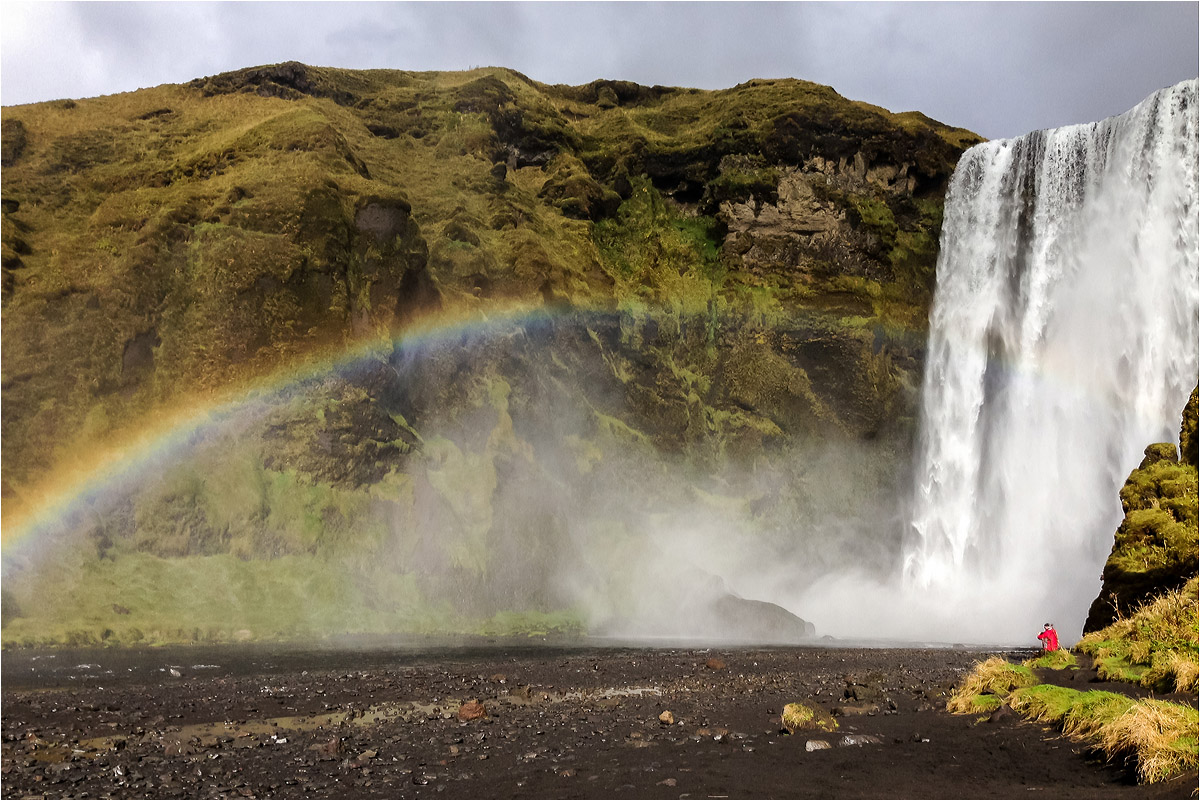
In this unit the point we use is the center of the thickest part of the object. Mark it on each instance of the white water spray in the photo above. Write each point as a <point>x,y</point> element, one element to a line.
<point>1063,341</point>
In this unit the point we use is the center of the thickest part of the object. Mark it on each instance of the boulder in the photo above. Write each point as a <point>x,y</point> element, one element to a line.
<point>759,621</point>
<point>471,710</point>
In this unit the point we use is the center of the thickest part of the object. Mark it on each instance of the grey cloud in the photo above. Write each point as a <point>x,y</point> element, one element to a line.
<point>1000,69</point>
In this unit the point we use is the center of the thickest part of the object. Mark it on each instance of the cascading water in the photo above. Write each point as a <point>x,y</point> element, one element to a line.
<point>1063,341</point>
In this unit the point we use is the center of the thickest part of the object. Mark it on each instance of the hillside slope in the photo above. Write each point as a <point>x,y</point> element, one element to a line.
<point>605,288</point>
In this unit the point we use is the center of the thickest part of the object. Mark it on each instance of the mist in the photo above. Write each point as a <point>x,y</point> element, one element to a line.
<point>490,482</point>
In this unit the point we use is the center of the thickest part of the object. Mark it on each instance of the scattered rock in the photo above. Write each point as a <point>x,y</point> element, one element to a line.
<point>666,717</point>
<point>817,745</point>
<point>859,739</point>
<point>330,747</point>
<point>1002,714</point>
<point>667,783</point>
<point>472,710</point>
<point>714,663</point>
<point>363,759</point>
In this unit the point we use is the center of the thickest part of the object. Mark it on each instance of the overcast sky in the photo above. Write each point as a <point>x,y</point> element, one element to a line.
<point>1000,69</point>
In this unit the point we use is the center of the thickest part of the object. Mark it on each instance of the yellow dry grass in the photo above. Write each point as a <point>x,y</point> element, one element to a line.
<point>1156,646</point>
<point>1186,670</point>
<point>992,677</point>
<point>797,717</point>
<point>1162,736</point>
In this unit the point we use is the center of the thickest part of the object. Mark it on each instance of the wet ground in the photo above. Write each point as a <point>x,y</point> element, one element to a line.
<point>528,720</point>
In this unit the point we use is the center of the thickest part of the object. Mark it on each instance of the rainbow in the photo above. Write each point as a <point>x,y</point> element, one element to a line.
<point>69,487</point>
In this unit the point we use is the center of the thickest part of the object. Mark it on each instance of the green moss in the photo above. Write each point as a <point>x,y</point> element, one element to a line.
<point>654,252</point>
<point>986,703</point>
<point>1157,546</point>
<point>876,217</point>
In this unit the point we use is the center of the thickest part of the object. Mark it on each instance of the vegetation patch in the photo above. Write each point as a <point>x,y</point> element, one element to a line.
<point>1157,646</point>
<point>798,717</point>
<point>1054,660</point>
<point>992,678</point>
<point>1160,736</point>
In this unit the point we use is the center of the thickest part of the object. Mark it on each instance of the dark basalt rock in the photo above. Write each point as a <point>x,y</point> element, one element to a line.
<point>760,621</point>
<point>289,81</point>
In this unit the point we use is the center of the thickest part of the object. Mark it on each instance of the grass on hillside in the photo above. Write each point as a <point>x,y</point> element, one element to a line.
<point>1156,647</point>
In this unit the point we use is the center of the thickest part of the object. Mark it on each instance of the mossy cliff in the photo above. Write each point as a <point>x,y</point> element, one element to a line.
<point>731,275</point>
<point>1157,547</point>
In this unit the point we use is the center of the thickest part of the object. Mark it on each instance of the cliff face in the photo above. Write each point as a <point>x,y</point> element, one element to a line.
<point>176,240</point>
<point>727,276</point>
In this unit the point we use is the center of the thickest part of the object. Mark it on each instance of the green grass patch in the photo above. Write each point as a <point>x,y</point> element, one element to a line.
<point>1054,660</point>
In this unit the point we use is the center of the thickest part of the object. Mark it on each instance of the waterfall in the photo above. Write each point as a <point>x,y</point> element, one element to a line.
<point>1063,340</point>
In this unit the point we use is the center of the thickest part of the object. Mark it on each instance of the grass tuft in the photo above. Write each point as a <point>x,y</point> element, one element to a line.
<point>993,677</point>
<point>1162,735</point>
<point>798,717</point>
<point>1054,660</point>
<point>1156,646</point>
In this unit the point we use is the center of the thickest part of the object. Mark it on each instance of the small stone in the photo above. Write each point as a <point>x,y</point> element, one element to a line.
<point>471,710</point>
<point>817,745</point>
<point>666,717</point>
<point>668,783</point>
<point>713,663</point>
<point>859,739</point>
<point>330,747</point>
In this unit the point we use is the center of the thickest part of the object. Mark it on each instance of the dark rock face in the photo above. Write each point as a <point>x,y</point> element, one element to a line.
<point>288,81</point>
<point>1157,546</point>
<point>139,352</point>
<point>761,622</point>
<point>1189,449</point>
<point>14,138</point>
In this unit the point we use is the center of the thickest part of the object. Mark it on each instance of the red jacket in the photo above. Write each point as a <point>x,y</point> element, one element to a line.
<point>1050,639</point>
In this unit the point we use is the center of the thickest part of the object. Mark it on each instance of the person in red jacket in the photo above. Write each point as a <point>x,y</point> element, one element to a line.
<point>1049,638</point>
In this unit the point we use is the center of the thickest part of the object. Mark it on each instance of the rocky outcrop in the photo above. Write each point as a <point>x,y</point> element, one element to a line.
<point>1157,548</point>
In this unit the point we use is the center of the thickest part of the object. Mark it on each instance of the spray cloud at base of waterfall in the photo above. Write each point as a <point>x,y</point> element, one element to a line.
<point>479,484</point>
<point>1063,341</point>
